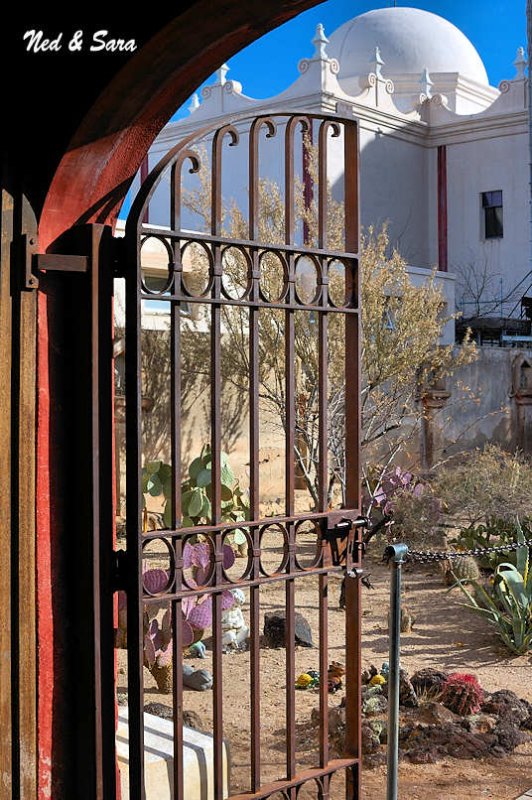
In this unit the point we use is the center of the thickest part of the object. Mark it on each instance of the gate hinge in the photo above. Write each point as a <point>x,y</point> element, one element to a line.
<point>120,570</point>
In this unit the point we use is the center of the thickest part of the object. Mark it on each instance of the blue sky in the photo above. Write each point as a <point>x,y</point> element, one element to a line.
<point>269,65</point>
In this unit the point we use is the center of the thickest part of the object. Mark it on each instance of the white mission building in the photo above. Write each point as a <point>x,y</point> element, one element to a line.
<point>445,163</point>
<point>444,155</point>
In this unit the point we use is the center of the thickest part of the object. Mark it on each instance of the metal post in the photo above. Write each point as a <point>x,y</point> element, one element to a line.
<point>396,554</point>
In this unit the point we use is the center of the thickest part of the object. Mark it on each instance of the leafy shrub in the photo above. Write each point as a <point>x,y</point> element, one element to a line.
<point>402,504</point>
<point>480,495</point>
<point>491,484</point>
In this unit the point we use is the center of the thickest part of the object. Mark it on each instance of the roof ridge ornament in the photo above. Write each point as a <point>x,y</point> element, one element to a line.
<point>327,67</point>
<point>194,103</point>
<point>426,83</point>
<point>215,95</point>
<point>520,64</point>
<point>320,42</point>
<point>222,73</point>
<point>376,80</point>
<point>378,63</point>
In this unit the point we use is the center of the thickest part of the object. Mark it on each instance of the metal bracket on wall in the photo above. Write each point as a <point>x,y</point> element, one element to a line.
<point>28,249</point>
<point>57,262</point>
<point>34,263</point>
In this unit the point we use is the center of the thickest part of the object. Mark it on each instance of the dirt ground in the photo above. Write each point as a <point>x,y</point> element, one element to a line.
<point>445,635</point>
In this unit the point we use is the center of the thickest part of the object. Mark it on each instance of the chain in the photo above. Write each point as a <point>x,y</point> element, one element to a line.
<point>428,556</point>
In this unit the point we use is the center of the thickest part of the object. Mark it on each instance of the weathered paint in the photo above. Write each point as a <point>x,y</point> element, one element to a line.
<point>45,617</point>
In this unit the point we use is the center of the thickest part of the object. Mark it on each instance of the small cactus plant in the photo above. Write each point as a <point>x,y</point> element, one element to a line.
<point>158,650</point>
<point>463,569</point>
<point>462,693</point>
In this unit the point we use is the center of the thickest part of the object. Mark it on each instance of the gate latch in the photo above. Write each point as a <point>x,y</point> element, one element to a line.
<point>338,536</point>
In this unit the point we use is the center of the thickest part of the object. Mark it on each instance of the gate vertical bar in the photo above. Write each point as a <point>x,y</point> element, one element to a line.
<point>216,447</point>
<point>254,445</point>
<point>105,541</point>
<point>352,455</point>
<point>323,467</point>
<point>218,576</point>
<point>133,520</point>
<point>175,421</point>
<point>290,426</point>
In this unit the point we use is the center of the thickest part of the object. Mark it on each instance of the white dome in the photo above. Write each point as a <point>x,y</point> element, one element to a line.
<point>409,40</point>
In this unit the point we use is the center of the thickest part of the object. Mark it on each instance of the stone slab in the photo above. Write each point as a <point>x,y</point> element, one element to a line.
<point>198,756</point>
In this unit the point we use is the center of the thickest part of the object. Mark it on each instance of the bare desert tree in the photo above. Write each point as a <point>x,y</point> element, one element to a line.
<point>401,353</point>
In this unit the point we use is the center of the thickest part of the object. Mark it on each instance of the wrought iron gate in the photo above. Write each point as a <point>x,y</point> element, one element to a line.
<point>311,279</point>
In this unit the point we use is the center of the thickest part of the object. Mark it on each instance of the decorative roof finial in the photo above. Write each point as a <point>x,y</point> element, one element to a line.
<point>376,80</point>
<point>320,70</point>
<point>378,63</point>
<point>320,41</point>
<point>426,84</point>
<point>194,103</point>
<point>520,63</point>
<point>222,72</point>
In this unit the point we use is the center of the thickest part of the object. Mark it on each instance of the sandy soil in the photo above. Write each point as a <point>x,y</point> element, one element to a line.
<point>445,635</point>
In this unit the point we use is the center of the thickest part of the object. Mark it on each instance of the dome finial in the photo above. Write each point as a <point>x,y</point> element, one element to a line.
<point>520,63</point>
<point>320,41</point>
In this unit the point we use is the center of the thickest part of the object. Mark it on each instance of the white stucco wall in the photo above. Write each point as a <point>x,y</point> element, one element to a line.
<point>481,165</point>
<point>394,190</point>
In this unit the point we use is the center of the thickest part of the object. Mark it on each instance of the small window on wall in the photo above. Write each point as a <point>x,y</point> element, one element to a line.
<point>492,207</point>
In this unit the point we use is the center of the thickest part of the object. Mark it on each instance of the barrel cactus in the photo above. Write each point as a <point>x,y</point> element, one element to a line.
<point>429,682</point>
<point>462,693</point>
<point>463,569</point>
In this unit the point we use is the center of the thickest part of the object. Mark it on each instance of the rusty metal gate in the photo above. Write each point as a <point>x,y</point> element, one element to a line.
<point>197,293</point>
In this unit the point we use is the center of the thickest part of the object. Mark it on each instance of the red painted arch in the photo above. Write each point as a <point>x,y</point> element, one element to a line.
<point>116,133</point>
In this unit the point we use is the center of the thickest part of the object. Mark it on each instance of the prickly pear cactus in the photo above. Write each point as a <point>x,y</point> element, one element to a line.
<point>462,693</point>
<point>462,569</point>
